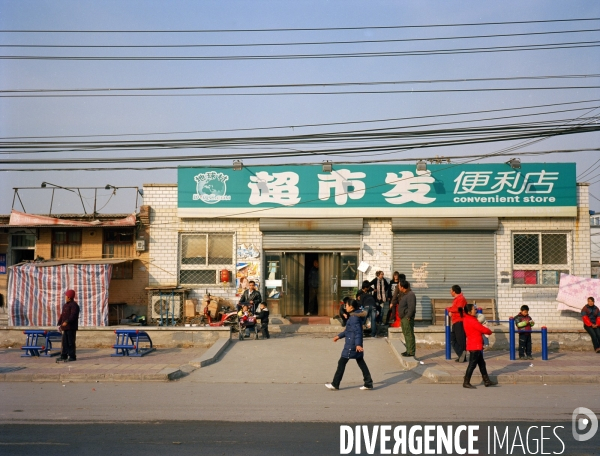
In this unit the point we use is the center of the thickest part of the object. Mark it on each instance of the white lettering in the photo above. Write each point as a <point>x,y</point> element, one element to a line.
<point>534,440</point>
<point>428,438</point>
<point>399,440</point>
<point>514,444</point>
<point>409,188</point>
<point>341,181</point>
<point>472,439</point>
<point>504,439</point>
<point>357,446</point>
<point>384,439</point>
<point>457,448</point>
<point>562,443</point>
<point>542,440</point>
<point>370,440</point>
<point>412,440</point>
<point>444,438</point>
<point>346,439</point>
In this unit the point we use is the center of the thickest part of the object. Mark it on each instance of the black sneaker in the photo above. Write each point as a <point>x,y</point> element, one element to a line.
<point>70,360</point>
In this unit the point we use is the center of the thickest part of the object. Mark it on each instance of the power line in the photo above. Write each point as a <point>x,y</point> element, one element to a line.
<point>324,124</point>
<point>301,43</point>
<point>392,160</point>
<point>488,49</point>
<point>314,84</point>
<point>261,94</point>
<point>307,29</point>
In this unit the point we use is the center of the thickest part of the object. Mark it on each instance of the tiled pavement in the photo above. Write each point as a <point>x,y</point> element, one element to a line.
<point>561,367</point>
<point>97,364</point>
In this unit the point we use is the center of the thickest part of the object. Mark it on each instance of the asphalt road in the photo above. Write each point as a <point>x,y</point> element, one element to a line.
<point>227,438</point>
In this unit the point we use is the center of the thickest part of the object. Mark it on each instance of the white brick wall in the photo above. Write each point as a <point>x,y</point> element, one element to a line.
<point>165,227</point>
<point>542,308</point>
<point>377,247</point>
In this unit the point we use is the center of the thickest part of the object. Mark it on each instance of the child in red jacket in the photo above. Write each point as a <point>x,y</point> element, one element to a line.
<point>474,331</point>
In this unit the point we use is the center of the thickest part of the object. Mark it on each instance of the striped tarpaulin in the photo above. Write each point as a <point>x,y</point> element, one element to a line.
<point>36,294</point>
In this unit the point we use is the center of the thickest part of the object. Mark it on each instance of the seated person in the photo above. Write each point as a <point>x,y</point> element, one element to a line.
<point>247,319</point>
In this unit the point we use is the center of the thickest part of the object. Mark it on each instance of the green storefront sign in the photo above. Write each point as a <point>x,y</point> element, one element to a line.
<point>390,190</point>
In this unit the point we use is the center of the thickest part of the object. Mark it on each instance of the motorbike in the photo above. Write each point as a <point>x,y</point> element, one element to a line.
<point>226,317</point>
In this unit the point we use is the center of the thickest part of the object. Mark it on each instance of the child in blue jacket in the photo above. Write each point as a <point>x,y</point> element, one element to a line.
<point>353,347</point>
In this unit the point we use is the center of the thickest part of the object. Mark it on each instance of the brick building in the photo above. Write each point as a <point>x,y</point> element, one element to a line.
<point>43,239</point>
<point>271,223</point>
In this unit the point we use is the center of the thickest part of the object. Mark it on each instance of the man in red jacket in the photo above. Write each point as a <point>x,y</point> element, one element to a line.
<point>455,311</point>
<point>68,323</point>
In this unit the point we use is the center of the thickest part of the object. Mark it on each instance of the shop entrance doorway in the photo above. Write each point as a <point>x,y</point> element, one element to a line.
<point>292,276</point>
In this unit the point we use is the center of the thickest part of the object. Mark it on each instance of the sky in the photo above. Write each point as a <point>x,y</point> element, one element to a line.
<point>150,117</point>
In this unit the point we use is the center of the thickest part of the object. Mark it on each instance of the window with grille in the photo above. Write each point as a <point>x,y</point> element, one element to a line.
<point>66,244</point>
<point>203,255</point>
<point>118,243</point>
<point>540,258</point>
<point>122,271</point>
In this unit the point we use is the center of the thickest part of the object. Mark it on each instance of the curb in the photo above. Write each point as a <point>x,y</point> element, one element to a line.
<point>408,362</point>
<point>211,355</point>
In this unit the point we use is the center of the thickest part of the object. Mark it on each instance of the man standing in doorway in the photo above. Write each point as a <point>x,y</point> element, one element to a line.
<point>407,309</point>
<point>381,293</point>
<point>313,289</point>
<point>68,323</point>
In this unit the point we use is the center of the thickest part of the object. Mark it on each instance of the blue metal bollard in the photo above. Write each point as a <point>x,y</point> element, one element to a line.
<point>448,348</point>
<point>511,336</point>
<point>544,343</point>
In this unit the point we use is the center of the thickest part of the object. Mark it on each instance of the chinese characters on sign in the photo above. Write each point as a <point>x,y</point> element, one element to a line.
<point>373,189</point>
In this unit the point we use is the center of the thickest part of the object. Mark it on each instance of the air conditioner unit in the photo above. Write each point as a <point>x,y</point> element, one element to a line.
<point>170,304</point>
<point>140,245</point>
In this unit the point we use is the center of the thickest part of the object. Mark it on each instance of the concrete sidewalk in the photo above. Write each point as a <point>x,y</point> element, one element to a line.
<point>562,367</point>
<point>97,365</point>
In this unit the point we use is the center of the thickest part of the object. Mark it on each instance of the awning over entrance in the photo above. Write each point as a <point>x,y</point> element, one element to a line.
<point>333,225</point>
<point>311,234</point>
<point>22,219</point>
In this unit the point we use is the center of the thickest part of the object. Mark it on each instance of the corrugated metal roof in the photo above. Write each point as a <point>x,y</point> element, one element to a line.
<point>43,264</point>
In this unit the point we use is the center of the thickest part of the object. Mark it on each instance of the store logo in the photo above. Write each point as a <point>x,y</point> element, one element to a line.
<point>580,423</point>
<point>211,187</point>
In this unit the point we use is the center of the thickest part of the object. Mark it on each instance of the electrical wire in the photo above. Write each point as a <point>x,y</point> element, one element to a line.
<point>316,84</point>
<point>319,124</point>
<point>488,49</point>
<point>302,43</point>
<point>310,29</point>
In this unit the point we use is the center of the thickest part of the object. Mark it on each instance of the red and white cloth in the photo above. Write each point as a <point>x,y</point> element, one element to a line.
<point>574,291</point>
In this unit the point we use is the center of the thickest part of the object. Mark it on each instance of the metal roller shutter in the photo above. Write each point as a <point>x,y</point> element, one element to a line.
<point>310,241</point>
<point>462,258</point>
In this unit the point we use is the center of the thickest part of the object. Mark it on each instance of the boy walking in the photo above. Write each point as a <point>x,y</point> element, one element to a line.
<point>524,322</point>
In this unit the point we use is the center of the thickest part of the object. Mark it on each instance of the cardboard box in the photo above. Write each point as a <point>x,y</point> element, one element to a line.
<point>190,307</point>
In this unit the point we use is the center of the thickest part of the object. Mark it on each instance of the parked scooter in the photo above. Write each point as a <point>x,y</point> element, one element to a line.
<point>226,317</point>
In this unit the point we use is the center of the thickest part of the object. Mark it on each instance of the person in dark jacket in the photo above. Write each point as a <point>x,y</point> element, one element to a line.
<point>342,312</point>
<point>263,314</point>
<point>250,297</point>
<point>474,332</point>
<point>381,291</point>
<point>458,339</point>
<point>313,289</point>
<point>407,309</point>
<point>367,302</point>
<point>353,348</point>
<point>68,323</point>
<point>393,293</point>
<point>590,315</point>
<point>524,322</point>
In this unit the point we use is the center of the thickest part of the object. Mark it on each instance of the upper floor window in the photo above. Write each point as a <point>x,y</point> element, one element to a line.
<point>118,243</point>
<point>66,243</point>
<point>540,258</point>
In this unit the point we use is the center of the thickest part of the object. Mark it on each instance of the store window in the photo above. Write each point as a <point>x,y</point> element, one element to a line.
<point>203,255</point>
<point>66,243</point>
<point>118,243</point>
<point>540,258</point>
